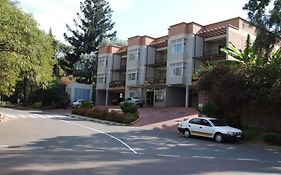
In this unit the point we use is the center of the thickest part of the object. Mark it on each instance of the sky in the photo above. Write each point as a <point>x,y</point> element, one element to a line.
<point>136,17</point>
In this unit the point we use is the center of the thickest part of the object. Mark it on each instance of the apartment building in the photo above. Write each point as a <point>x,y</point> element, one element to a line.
<point>160,70</point>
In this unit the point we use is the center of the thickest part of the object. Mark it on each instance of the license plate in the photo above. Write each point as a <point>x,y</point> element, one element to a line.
<point>238,136</point>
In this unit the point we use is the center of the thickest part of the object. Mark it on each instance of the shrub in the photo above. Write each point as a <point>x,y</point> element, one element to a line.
<point>104,115</point>
<point>80,111</point>
<point>54,96</point>
<point>96,113</point>
<point>115,116</point>
<point>209,109</point>
<point>128,108</point>
<point>37,105</point>
<point>272,138</point>
<point>129,118</point>
<point>86,104</point>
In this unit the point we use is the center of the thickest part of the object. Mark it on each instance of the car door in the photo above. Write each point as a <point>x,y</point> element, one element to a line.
<point>205,128</point>
<point>194,126</point>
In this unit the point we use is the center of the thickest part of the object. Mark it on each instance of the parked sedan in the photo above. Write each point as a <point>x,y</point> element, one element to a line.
<point>209,127</point>
<point>134,100</point>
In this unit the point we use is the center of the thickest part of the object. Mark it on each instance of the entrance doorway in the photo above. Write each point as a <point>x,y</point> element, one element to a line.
<point>149,98</point>
<point>160,98</point>
<point>193,98</point>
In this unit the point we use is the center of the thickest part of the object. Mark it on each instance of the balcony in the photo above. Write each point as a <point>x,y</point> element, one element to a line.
<point>155,81</point>
<point>211,55</point>
<point>122,68</point>
<point>159,62</point>
<point>117,84</point>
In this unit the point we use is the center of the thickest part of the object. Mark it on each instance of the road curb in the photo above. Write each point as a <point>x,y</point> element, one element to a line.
<point>140,117</point>
<point>96,120</point>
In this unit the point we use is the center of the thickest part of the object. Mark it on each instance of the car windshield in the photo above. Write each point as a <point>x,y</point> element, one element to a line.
<point>218,123</point>
<point>136,97</point>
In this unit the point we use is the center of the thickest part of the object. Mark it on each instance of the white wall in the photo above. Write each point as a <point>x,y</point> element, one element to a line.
<point>70,89</point>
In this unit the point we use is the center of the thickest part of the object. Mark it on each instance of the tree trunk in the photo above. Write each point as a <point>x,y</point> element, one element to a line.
<point>24,90</point>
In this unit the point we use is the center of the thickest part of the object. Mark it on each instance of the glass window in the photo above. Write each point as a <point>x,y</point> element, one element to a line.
<point>177,69</point>
<point>133,75</point>
<point>159,96</point>
<point>177,46</point>
<point>205,122</point>
<point>133,55</point>
<point>218,123</point>
<point>196,121</point>
<point>102,79</point>
<point>103,62</point>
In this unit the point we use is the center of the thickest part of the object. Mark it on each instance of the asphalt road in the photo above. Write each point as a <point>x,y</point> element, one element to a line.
<point>40,143</point>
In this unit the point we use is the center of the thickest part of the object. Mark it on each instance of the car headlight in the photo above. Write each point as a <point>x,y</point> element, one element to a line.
<point>230,133</point>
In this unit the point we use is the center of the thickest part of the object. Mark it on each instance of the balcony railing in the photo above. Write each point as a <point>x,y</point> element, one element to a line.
<point>154,81</point>
<point>211,55</point>
<point>121,69</point>
<point>159,62</point>
<point>114,84</point>
<point>123,66</point>
<point>162,60</point>
<point>212,52</point>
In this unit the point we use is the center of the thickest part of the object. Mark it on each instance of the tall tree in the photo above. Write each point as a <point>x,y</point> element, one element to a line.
<point>25,51</point>
<point>266,15</point>
<point>94,24</point>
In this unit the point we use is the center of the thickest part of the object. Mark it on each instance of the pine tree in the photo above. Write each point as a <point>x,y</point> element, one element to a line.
<point>94,24</point>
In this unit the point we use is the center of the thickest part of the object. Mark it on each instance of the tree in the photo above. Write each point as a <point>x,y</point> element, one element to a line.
<point>268,22</point>
<point>25,51</point>
<point>114,41</point>
<point>251,86</point>
<point>93,26</point>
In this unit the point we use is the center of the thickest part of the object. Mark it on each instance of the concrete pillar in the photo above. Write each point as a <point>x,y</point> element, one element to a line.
<point>106,98</point>
<point>186,96</point>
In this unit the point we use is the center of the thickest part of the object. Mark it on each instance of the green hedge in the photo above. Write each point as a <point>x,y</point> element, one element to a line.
<point>105,115</point>
<point>209,109</point>
<point>272,138</point>
<point>86,104</point>
<point>128,108</point>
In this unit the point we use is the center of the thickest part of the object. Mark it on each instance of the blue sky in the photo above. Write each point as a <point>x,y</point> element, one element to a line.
<point>136,17</point>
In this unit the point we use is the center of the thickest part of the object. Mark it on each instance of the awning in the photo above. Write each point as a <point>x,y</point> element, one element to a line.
<point>212,32</point>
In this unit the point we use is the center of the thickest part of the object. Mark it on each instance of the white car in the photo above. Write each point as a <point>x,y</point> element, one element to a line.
<point>77,103</point>
<point>134,100</point>
<point>208,127</point>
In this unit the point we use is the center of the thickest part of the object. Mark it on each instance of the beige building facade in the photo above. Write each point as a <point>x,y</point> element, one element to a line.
<point>160,70</point>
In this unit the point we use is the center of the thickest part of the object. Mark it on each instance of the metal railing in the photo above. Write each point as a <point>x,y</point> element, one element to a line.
<point>117,83</point>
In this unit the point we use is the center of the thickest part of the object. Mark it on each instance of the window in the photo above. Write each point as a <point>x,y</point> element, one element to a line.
<point>133,75</point>
<point>177,46</point>
<point>159,96</point>
<point>177,69</point>
<point>196,121</point>
<point>218,123</point>
<point>133,55</point>
<point>103,62</point>
<point>102,79</point>
<point>205,122</point>
<point>128,99</point>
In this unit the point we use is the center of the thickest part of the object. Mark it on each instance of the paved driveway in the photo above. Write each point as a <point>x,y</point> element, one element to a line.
<point>164,118</point>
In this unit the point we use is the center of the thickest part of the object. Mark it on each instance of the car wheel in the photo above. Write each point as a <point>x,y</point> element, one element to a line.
<point>218,138</point>
<point>186,133</point>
